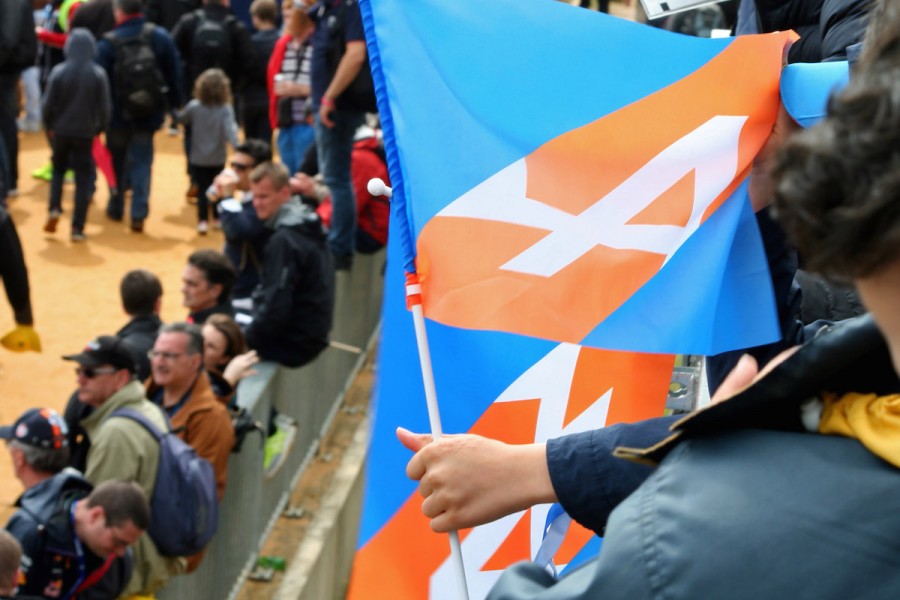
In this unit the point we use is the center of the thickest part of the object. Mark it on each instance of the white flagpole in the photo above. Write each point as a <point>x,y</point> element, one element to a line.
<point>377,187</point>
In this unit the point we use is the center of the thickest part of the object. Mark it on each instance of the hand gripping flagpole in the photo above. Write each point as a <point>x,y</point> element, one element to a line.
<point>377,187</point>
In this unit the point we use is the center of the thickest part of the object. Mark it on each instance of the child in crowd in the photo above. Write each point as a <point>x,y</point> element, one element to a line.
<point>76,107</point>
<point>213,127</point>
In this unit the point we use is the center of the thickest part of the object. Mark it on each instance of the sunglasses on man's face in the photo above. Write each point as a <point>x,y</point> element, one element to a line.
<point>240,166</point>
<point>91,372</point>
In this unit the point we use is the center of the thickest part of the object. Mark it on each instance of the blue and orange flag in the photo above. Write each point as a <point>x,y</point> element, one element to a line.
<point>572,176</point>
<point>570,189</point>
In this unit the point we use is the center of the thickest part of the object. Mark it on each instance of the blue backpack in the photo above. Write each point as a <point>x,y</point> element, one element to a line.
<point>184,509</point>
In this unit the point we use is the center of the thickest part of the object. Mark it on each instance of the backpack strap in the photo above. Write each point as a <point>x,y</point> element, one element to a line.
<point>144,421</point>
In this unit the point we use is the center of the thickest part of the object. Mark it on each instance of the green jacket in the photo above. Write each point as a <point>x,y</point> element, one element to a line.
<point>122,449</point>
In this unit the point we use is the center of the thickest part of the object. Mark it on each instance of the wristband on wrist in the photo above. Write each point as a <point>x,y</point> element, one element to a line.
<point>326,101</point>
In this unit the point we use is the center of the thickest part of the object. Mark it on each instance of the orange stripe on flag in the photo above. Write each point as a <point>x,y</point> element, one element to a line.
<point>640,382</point>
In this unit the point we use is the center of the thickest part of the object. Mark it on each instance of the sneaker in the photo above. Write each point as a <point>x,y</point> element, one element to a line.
<point>52,221</point>
<point>202,227</point>
<point>172,131</point>
<point>13,193</point>
<point>137,226</point>
<point>278,445</point>
<point>69,176</point>
<point>217,224</point>
<point>78,236</point>
<point>45,172</point>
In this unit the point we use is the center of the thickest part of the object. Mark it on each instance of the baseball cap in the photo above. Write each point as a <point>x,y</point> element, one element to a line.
<point>806,87</point>
<point>105,350</point>
<point>40,427</point>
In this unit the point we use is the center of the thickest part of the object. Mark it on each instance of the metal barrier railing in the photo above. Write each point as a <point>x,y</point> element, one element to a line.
<point>311,394</point>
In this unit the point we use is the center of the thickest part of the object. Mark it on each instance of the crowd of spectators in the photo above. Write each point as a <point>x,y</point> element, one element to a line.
<point>101,78</point>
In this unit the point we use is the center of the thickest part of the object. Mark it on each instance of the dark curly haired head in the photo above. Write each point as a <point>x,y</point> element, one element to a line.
<point>838,183</point>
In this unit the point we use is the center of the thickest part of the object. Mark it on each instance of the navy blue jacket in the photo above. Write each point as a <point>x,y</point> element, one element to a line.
<point>167,60</point>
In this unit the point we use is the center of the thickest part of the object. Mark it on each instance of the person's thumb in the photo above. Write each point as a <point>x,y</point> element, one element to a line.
<point>413,441</point>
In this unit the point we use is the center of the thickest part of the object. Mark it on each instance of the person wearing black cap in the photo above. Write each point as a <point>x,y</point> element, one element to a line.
<point>120,448</point>
<point>38,447</point>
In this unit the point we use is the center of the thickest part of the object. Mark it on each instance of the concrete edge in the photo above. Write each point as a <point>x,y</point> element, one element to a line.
<point>320,568</point>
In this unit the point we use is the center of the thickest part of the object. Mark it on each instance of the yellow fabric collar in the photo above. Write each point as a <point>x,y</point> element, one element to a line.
<point>871,419</point>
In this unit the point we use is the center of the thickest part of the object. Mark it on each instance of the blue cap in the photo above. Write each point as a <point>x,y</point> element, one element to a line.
<point>806,87</point>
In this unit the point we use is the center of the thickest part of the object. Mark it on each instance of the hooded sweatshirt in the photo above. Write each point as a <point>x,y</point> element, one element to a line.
<point>77,101</point>
<point>293,304</point>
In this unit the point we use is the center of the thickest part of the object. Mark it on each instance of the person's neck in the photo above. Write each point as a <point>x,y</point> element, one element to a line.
<point>172,393</point>
<point>31,478</point>
<point>202,309</point>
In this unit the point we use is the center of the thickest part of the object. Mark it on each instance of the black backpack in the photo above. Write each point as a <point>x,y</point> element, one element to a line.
<point>211,44</point>
<point>138,84</point>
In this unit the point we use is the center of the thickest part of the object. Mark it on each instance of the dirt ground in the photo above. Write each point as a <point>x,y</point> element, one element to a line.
<point>74,287</point>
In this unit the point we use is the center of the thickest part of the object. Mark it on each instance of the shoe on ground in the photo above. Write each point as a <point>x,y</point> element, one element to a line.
<point>192,191</point>
<point>202,227</point>
<point>45,172</point>
<point>137,226</point>
<point>13,193</point>
<point>278,445</point>
<point>113,217</point>
<point>217,224</point>
<point>69,176</point>
<point>172,131</point>
<point>52,221</point>
<point>78,236</point>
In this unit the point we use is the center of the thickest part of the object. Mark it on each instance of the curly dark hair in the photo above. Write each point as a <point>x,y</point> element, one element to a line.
<point>838,183</point>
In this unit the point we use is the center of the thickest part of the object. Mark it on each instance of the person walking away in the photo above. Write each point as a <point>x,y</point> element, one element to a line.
<point>139,99</point>
<point>76,107</point>
<point>211,117</point>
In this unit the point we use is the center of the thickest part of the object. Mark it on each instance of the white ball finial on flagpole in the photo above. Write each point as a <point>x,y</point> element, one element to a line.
<point>377,187</point>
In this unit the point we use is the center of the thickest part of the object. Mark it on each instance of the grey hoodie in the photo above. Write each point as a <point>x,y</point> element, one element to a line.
<point>77,102</point>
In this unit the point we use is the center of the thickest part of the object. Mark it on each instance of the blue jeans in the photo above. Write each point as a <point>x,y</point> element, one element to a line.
<point>334,147</point>
<point>132,156</point>
<point>293,142</point>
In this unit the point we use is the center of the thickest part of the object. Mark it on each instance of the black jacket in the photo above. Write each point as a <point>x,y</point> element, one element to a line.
<point>166,13</point>
<point>826,27</point>
<point>294,302</point>
<point>241,54</point>
<point>49,555</point>
<point>140,333</point>
<point>18,42</point>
